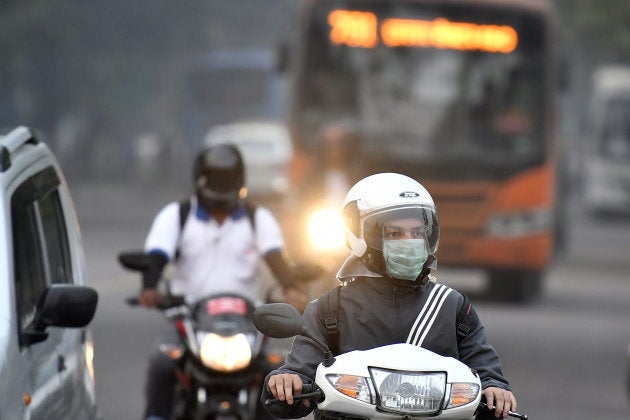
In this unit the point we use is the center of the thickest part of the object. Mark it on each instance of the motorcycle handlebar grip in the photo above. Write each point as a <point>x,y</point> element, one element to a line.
<point>133,301</point>
<point>510,413</point>
<point>308,391</point>
<point>168,302</point>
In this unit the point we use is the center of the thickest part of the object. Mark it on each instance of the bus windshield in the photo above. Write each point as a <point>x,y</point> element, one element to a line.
<point>427,82</point>
<point>225,86</point>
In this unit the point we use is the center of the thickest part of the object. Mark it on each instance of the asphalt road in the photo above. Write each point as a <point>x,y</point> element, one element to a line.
<point>565,354</point>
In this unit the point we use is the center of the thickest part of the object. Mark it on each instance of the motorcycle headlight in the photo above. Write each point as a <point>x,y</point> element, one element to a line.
<point>413,393</point>
<point>225,354</point>
<point>325,230</point>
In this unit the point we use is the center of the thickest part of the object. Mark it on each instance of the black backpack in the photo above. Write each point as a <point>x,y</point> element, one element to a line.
<point>184,211</point>
<point>328,307</point>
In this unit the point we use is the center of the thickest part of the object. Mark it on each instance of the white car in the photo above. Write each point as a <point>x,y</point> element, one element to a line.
<point>266,149</point>
<point>606,152</point>
<point>45,350</point>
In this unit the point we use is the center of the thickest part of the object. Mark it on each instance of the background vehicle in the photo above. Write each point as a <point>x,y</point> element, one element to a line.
<point>46,354</point>
<point>605,154</point>
<point>267,151</point>
<point>458,94</point>
<point>389,382</point>
<point>223,358</point>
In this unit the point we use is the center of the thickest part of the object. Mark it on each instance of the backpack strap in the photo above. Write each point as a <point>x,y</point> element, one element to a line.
<point>184,210</point>
<point>251,214</point>
<point>467,319</point>
<point>327,309</point>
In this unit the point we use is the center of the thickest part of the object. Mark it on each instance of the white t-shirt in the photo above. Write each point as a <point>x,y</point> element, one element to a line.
<point>214,258</point>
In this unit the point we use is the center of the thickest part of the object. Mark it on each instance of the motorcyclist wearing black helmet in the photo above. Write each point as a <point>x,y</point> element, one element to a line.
<point>217,249</point>
<point>390,296</point>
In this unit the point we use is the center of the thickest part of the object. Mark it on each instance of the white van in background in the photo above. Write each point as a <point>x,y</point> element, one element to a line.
<point>605,154</point>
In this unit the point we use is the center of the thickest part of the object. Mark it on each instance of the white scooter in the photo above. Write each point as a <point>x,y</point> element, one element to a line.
<point>398,381</point>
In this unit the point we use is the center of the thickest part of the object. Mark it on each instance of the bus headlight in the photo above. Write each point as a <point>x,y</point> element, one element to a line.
<point>519,223</point>
<point>325,230</point>
<point>225,354</point>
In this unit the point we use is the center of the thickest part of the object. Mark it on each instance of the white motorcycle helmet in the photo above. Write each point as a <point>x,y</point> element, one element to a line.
<point>374,203</point>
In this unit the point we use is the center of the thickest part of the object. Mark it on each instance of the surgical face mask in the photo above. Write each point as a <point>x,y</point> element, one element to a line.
<point>404,258</point>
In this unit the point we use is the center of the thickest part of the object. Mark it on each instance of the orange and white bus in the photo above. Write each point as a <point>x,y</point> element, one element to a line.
<point>458,94</point>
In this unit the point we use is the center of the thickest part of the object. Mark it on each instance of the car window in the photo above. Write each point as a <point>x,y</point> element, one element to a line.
<point>54,227</point>
<point>41,249</point>
<point>30,279</point>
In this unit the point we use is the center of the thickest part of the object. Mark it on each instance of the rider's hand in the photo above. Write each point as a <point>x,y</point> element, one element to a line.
<point>295,297</point>
<point>284,385</point>
<point>501,400</point>
<point>150,297</point>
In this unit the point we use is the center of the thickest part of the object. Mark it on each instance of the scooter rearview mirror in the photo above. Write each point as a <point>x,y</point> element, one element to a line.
<point>135,260</point>
<point>281,320</point>
<point>278,320</point>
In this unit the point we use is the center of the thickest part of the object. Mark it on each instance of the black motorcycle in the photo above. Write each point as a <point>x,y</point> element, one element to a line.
<point>223,358</point>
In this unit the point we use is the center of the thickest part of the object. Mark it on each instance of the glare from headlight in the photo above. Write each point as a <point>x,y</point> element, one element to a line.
<point>225,354</point>
<point>89,358</point>
<point>410,392</point>
<point>325,230</point>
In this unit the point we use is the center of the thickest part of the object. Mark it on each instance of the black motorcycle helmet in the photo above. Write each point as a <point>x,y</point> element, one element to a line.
<point>219,177</point>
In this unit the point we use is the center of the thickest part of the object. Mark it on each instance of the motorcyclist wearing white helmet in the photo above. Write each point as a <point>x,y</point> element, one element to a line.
<point>389,295</point>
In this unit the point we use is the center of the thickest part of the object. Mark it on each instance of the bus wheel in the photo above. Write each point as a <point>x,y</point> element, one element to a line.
<point>518,286</point>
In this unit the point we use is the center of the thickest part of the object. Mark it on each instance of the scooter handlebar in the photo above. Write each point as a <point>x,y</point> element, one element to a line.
<point>312,391</point>
<point>308,391</point>
<point>484,406</point>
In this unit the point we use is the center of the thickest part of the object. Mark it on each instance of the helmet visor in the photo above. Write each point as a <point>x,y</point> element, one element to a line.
<point>408,222</point>
<point>220,181</point>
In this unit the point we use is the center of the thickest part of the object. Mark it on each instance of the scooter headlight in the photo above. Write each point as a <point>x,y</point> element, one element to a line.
<point>414,393</point>
<point>225,354</point>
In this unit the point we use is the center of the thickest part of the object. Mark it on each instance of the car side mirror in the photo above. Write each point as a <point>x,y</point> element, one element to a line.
<point>64,306</point>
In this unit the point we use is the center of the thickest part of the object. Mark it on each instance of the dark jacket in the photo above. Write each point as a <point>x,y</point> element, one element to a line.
<point>375,311</point>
